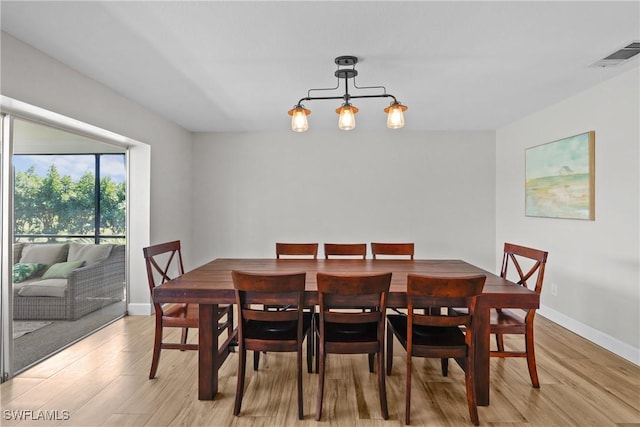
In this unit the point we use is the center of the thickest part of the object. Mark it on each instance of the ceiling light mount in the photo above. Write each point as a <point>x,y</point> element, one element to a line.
<point>346,70</point>
<point>346,61</point>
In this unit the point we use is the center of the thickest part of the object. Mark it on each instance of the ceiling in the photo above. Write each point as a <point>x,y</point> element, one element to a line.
<point>236,66</point>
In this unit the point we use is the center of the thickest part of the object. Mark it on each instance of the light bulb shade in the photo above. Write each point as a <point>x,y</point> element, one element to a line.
<point>347,119</point>
<point>395,115</point>
<point>299,121</point>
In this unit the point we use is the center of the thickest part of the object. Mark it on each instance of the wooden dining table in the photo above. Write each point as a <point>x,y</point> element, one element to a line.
<point>210,285</point>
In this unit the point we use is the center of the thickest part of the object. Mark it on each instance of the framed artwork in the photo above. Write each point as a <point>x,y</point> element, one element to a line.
<point>560,178</point>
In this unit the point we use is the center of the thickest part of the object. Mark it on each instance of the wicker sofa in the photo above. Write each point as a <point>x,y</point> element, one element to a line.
<point>95,279</point>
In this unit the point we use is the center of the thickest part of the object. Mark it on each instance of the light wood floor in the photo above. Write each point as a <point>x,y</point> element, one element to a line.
<point>102,381</point>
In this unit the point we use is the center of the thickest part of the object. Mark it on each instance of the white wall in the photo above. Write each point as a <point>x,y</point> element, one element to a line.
<point>433,188</point>
<point>32,77</point>
<point>595,264</point>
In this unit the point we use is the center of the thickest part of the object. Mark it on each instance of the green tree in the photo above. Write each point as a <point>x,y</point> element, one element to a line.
<point>112,206</point>
<point>52,199</point>
<point>56,204</point>
<point>79,214</point>
<point>27,212</point>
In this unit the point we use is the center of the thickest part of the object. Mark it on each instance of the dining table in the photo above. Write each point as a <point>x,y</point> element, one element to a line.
<point>210,285</point>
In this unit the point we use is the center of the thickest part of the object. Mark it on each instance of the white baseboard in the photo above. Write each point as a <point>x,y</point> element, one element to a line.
<point>137,309</point>
<point>597,337</point>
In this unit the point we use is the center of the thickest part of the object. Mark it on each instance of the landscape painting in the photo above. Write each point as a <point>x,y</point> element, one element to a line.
<point>560,178</point>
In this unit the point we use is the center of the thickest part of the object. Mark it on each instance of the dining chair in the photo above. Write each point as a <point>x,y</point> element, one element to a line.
<point>296,250</point>
<point>164,262</point>
<point>351,250</point>
<point>293,251</point>
<point>430,334</point>
<point>529,265</point>
<point>270,330</point>
<point>392,250</point>
<point>342,328</point>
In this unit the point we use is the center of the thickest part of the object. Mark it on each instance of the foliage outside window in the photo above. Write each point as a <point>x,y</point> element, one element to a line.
<point>57,207</point>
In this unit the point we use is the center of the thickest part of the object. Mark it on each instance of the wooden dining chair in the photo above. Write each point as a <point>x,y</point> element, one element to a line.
<point>293,251</point>
<point>529,265</point>
<point>296,250</point>
<point>392,250</point>
<point>351,250</point>
<point>164,262</point>
<point>430,334</point>
<point>270,330</point>
<point>341,329</point>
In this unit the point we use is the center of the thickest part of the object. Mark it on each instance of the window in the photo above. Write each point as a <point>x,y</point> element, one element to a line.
<point>62,196</point>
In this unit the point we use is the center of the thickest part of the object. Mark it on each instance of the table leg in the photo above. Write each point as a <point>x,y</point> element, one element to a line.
<point>207,352</point>
<point>482,319</point>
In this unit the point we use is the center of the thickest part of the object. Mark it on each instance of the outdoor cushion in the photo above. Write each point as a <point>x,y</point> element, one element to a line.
<point>49,253</point>
<point>44,288</point>
<point>22,271</point>
<point>61,270</point>
<point>90,254</point>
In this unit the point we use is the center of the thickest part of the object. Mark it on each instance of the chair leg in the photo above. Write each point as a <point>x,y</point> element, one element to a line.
<point>382,384</point>
<point>407,392</point>
<point>256,360</point>
<point>499,342</point>
<point>389,350</point>
<point>157,346</point>
<point>321,368</point>
<point>444,365</point>
<point>531,358</point>
<point>317,347</point>
<point>183,338</point>
<point>311,343</point>
<point>300,409</point>
<point>242,361</point>
<point>230,326</point>
<point>310,352</point>
<point>371,355</point>
<point>471,393</point>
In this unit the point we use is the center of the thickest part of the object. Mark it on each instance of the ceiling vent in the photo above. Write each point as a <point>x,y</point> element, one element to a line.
<point>619,56</point>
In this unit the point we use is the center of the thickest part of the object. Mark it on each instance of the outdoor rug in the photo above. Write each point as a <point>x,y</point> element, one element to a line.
<point>23,327</point>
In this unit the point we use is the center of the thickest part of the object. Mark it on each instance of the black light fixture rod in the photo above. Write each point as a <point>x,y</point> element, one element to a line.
<point>314,98</point>
<point>385,95</point>
<point>384,89</point>
<point>346,90</point>
<point>324,88</point>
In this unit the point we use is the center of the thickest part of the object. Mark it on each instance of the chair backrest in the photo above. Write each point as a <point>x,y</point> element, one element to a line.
<point>298,250</point>
<point>444,292</point>
<point>358,250</point>
<point>392,249</point>
<point>533,261</point>
<point>164,262</point>
<point>283,290</point>
<point>357,291</point>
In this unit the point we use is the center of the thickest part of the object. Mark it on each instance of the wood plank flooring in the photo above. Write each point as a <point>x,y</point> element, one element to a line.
<point>102,381</point>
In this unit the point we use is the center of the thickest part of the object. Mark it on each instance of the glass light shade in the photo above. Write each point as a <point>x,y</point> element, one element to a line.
<point>347,119</point>
<point>299,121</point>
<point>395,116</point>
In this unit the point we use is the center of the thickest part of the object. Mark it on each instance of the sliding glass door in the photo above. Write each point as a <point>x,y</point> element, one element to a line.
<point>6,342</point>
<point>65,231</point>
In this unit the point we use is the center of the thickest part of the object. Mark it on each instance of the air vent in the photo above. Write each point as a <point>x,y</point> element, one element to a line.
<point>619,56</point>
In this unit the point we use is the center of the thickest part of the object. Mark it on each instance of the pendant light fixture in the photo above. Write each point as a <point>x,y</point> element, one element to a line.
<point>347,112</point>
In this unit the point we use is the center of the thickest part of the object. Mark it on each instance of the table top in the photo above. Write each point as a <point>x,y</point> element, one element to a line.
<point>211,283</point>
